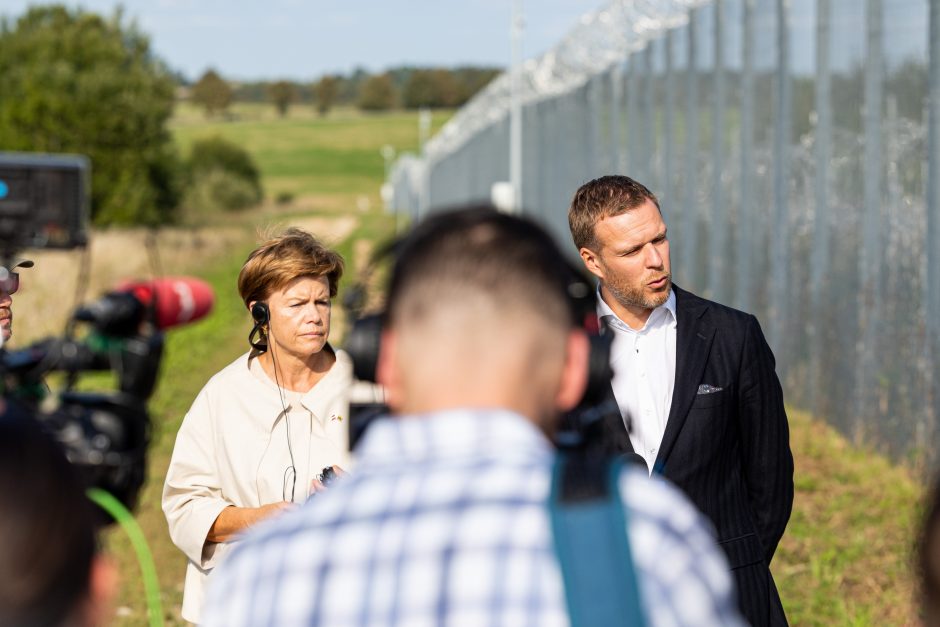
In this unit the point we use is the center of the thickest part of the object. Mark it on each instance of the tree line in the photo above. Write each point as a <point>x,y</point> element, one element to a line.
<point>403,87</point>
<point>74,81</point>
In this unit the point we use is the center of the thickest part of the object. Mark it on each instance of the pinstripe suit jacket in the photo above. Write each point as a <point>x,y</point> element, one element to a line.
<point>728,450</point>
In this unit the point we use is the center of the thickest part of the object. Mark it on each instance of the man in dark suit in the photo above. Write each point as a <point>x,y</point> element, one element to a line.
<point>695,384</point>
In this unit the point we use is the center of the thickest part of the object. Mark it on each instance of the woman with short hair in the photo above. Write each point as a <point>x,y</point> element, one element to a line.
<point>262,431</point>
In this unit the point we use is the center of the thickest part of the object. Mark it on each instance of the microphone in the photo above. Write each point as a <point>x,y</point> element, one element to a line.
<point>179,300</point>
<point>171,301</point>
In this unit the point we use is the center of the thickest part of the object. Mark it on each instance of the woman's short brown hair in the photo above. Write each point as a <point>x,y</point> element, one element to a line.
<point>280,260</point>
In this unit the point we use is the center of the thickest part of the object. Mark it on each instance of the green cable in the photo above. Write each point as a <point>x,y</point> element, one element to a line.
<point>147,568</point>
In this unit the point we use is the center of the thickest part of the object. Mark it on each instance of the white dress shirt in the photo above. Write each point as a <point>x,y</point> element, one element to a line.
<point>644,366</point>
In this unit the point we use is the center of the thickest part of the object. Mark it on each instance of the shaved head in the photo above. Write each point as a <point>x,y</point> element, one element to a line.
<point>480,309</point>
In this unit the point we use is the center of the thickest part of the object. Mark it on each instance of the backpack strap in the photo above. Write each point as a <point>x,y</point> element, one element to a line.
<point>589,527</point>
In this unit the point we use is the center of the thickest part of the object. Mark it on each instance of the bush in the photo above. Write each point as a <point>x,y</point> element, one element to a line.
<point>222,175</point>
<point>218,190</point>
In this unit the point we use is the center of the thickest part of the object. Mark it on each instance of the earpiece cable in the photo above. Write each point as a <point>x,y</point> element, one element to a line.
<point>292,469</point>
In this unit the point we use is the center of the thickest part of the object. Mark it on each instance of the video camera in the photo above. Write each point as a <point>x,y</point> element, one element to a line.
<point>44,204</point>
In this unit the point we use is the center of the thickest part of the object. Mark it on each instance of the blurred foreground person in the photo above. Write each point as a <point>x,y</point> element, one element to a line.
<point>263,430</point>
<point>446,520</point>
<point>695,383</point>
<point>9,284</point>
<point>51,574</point>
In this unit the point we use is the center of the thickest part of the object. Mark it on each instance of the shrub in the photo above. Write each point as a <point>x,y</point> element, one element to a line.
<point>218,190</point>
<point>222,175</point>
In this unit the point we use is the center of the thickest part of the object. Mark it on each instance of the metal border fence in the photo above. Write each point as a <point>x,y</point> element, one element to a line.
<point>795,145</point>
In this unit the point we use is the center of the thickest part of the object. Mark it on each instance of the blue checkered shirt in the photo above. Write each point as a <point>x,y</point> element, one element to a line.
<point>445,522</point>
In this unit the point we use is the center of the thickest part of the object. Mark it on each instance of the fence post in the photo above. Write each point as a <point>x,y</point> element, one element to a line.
<point>932,284</point>
<point>870,258</point>
<point>690,228</point>
<point>669,130</point>
<point>780,234</point>
<point>718,224</point>
<point>745,248</point>
<point>819,260</point>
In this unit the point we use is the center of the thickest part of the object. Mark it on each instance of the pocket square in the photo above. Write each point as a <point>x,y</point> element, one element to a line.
<point>708,389</point>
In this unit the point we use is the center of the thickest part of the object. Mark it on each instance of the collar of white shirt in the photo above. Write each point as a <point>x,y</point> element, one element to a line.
<point>658,316</point>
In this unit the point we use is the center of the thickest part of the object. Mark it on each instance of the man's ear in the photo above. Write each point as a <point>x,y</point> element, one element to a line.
<point>591,262</point>
<point>574,375</point>
<point>387,373</point>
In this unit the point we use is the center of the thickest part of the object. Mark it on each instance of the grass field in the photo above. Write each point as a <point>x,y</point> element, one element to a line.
<point>844,559</point>
<point>330,162</point>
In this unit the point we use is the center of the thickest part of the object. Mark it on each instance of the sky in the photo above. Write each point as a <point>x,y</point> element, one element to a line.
<point>304,39</point>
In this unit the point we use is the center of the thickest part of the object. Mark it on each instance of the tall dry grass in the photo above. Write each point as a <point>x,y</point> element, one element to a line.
<point>50,291</point>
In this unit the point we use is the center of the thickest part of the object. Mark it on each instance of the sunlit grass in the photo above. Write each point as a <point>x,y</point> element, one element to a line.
<point>845,558</point>
<point>305,154</point>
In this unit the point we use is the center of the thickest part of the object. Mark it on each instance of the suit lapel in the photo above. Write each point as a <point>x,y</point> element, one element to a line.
<point>693,342</point>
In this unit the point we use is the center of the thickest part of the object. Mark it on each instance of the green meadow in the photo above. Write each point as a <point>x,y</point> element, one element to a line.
<point>323,162</point>
<point>845,557</point>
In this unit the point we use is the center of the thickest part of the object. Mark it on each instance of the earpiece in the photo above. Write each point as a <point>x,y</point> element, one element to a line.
<point>260,312</point>
<point>262,316</point>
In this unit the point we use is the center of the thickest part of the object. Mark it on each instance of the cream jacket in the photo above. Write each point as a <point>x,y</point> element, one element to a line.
<point>231,449</point>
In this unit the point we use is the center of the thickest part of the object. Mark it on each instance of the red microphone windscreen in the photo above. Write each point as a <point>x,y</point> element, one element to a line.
<point>180,300</point>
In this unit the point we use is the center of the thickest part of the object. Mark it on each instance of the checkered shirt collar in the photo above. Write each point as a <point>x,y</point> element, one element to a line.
<point>451,435</point>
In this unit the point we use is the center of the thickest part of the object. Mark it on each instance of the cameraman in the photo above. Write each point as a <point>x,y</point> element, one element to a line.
<point>9,284</point>
<point>446,521</point>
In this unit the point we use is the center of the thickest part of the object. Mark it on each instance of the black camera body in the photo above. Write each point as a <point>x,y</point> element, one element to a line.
<point>105,435</point>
